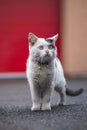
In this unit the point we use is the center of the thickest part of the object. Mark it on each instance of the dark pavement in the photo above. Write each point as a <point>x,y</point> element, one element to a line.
<point>15,103</point>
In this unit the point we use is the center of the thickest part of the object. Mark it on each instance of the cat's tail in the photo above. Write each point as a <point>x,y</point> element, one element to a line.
<point>70,92</point>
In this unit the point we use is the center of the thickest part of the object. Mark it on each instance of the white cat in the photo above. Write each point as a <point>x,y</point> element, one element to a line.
<point>45,73</point>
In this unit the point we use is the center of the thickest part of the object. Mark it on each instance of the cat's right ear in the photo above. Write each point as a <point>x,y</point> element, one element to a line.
<point>32,39</point>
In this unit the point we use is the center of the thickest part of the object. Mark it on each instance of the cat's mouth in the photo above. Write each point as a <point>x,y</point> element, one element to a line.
<point>45,60</point>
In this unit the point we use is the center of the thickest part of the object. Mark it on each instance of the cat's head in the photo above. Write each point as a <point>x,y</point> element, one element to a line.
<point>42,50</point>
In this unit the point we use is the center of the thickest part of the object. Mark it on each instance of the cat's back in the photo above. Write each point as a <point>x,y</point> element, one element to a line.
<point>59,74</point>
<point>58,65</point>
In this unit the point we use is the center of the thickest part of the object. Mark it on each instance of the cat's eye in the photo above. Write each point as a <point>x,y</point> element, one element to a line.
<point>51,46</point>
<point>41,47</point>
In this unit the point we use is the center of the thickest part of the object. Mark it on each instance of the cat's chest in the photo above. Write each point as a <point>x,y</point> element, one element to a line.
<point>43,73</point>
<point>44,77</point>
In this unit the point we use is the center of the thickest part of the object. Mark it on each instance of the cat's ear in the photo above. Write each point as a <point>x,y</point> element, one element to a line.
<point>32,38</point>
<point>54,38</point>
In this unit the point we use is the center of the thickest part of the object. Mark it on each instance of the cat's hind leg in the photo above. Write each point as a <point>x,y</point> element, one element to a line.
<point>62,92</point>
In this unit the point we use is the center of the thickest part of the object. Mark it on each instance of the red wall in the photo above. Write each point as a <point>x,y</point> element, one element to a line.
<point>17,19</point>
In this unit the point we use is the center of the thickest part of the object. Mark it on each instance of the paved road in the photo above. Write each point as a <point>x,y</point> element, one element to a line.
<point>15,103</point>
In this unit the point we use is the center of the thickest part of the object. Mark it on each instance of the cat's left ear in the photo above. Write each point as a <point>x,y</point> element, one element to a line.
<point>53,39</point>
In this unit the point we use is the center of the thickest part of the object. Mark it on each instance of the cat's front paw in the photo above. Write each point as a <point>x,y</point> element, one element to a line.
<point>35,107</point>
<point>46,106</point>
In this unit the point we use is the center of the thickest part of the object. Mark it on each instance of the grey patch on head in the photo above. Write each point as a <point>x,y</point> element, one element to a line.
<point>49,40</point>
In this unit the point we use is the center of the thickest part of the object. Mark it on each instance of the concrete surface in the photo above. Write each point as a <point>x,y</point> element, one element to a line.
<point>15,103</point>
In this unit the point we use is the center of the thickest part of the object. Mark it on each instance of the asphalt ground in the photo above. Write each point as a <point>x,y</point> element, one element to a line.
<point>15,103</point>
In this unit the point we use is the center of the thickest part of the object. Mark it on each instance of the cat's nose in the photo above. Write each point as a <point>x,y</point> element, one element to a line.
<point>47,52</point>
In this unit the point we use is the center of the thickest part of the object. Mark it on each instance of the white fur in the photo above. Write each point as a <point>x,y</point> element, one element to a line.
<point>44,78</point>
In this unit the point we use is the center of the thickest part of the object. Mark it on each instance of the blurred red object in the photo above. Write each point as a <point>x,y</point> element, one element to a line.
<point>17,19</point>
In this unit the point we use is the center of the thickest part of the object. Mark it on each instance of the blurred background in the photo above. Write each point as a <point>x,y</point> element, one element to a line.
<point>44,18</point>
